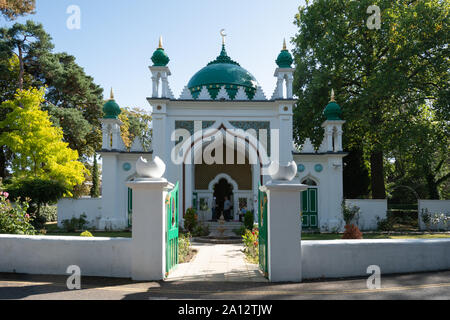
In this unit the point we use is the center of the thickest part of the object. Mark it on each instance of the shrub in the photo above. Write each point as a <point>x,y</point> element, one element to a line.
<point>75,224</point>
<point>386,224</point>
<point>352,232</point>
<point>249,220</point>
<point>14,219</point>
<point>201,231</point>
<point>251,245</point>
<point>86,234</point>
<point>240,231</point>
<point>350,214</point>
<point>190,220</point>
<point>49,213</point>
<point>184,247</point>
<point>40,192</point>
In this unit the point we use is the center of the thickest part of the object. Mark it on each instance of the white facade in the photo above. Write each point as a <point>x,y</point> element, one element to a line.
<point>261,129</point>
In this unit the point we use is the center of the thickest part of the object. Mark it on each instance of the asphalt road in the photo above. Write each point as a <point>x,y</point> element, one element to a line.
<point>435,285</point>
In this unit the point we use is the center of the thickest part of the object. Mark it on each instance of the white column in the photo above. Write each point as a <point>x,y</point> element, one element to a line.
<point>165,87</point>
<point>339,140</point>
<point>329,136</point>
<point>155,84</point>
<point>284,230</point>
<point>106,142</point>
<point>149,223</point>
<point>289,83</point>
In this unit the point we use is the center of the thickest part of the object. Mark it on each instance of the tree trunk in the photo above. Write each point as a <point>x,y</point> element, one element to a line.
<point>377,175</point>
<point>21,70</point>
<point>432,186</point>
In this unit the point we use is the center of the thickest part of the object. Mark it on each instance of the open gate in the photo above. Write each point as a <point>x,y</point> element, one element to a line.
<point>263,236</point>
<point>172,210</point>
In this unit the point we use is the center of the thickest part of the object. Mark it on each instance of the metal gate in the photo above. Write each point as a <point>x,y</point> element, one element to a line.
<point>172,229</point>
<point>263,236</point>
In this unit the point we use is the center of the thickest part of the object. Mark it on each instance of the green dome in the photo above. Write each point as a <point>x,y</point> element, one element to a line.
<point>284,59</point>
<point>223,72</point>
<point>333,111</point>
<point>111,109</point>
<point>160,58</point>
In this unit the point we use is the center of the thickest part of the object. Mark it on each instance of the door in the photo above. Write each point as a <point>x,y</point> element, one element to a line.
<point>309,209</point>
<point>172,214</point>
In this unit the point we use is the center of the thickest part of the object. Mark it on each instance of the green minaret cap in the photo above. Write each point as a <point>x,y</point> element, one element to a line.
<point>111,109</point>
<point>284,59</point>
<point>333,111</point>
<point>160,58</point>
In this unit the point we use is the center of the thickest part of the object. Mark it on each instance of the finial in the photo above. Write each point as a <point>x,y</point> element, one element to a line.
<point>284,44</point>
<point>332,96</point>
<point>160,43</point>
<point>111,94</point>
<point>223,34</point>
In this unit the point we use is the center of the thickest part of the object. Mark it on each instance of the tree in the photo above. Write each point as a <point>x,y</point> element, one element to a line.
<point>136,123</point>
<point>95,189</point>
<point>37,145</point>
<point>12,9</point>
<point>375,72</point>
<point>31,42</point>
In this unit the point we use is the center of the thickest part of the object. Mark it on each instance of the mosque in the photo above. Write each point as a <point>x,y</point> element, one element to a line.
<point>217,140</point>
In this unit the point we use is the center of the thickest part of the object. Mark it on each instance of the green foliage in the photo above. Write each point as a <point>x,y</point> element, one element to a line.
<point>75,224</point>
<point>249,220</point>
<point>350,213</point>
<point>39,151</point>
<point>190,220</point>
<point>201,230</point>
<point>95,189</point>
<point>12,9</point>
<point>381,77</point>
<point>240,231</point>
<point>14,219</point>
<point>49,213</point>
<point>251,245</point>
<point>184,247</point>
<point>386,224</point>
<point>136,123</point>
<point>86,234</point>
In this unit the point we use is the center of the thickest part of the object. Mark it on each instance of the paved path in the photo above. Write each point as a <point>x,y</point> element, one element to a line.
<point>218,263</point>
<point>433,285</point>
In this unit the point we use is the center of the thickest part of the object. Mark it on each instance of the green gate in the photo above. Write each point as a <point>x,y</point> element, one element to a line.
<point>130,207</point>
<point>263,236</point>
<point>309,209</point>
<point>172,229</point>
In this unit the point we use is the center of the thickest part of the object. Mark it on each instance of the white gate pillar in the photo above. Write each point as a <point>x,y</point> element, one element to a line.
<point>284,227</point>
<point>149,222</point>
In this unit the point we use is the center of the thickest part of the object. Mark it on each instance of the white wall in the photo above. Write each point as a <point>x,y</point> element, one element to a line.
<point>370,210</point>
<point>68,208</point>
<point>434,206</point>
<point>107,257</point>
<point>348,258</point>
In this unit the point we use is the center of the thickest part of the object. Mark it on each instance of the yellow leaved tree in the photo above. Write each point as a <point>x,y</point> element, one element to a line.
<point>38,146</point>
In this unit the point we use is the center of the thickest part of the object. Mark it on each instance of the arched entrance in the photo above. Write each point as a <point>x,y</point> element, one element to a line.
<point>309,202</point>
<point>222,189</point>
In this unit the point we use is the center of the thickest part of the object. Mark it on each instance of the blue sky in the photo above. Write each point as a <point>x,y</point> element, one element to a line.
<point>117,38</point>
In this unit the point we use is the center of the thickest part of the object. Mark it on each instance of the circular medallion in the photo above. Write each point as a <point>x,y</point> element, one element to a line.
<point>126,166</point>
<point>301,168</point>
<point>318,168</point>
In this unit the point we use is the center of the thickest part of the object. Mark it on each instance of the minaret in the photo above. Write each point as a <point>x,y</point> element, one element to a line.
<point>112,139</point>
<point>160,73</point>
<point>333,125</point>
<point>284,74</point>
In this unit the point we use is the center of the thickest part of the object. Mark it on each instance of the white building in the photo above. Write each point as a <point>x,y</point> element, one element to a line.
<point>217,139</point>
